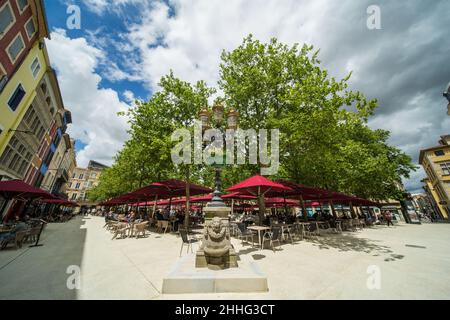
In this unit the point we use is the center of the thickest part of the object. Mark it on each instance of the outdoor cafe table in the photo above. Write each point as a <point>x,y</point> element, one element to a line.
<point>318,224</point>
<point>283,226</point>
<point>260,230</point>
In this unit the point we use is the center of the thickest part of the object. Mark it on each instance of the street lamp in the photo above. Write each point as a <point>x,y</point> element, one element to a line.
<point>218,115</point>
<point>447,95</point>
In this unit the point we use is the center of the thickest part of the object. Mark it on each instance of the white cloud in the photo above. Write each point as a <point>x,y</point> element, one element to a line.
<point>129,96</point>
<point>101,6</point>
<point>94,109</point>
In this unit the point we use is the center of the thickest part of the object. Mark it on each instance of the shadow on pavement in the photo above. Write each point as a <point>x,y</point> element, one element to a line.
<point>41,273</point>
<point>348,242</point>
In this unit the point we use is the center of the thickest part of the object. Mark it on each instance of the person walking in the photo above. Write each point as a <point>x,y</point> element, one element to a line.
<point>388,218</point>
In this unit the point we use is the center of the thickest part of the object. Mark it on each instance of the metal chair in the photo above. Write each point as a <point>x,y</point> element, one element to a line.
<point>335,226</point>
<point>140,229</point>
<point>311,230</point>
<point>243,233</point>
<point>299,231</point>
<point>121,230</point>
<point>273,236</point>
<point>186,241</point>
<point>287,233</point>
<point>17,239</point>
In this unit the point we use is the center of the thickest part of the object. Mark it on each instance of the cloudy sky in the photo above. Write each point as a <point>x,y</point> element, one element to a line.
<point>123,47</point>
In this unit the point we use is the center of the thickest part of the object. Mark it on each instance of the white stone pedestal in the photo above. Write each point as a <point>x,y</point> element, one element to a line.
<point>185,278</point>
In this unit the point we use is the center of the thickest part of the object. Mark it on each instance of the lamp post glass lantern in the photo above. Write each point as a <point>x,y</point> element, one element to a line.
<point>218,112</point>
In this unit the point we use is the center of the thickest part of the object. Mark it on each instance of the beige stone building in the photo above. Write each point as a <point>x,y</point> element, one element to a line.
<point>83,180</point>
<point>61,168</point>
<point>436,163</point>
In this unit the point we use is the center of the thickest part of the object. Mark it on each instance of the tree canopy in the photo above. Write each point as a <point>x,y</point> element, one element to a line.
<point>324,137</point>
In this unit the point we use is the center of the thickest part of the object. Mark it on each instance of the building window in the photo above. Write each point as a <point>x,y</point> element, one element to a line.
<point>3,78</point>
<point>23,167</point>
<point>13,142</point>
<point>445,168</point>
<point>439,153</point>
<point>40,134</point>
<point>39,180</point>
<point>81,176</point>
<point>35,125</point>
<point>7,19</point>
<point>77,186</point>
<point>14,162</point>
<point>4,160</point>
<point>35,67</point>
<point>16,98</point>
<point>74,196</point>
<point>22,5</point>
<point>30,28</point>
<point>15,48</point>
<point>28,117</point>
<point>44,88</point>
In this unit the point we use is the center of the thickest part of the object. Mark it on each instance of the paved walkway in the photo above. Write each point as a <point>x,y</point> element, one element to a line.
<point>413,261</point>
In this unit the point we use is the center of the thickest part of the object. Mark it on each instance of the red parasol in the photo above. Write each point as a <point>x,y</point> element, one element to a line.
<point>258,185</point>
<point>21,190</point>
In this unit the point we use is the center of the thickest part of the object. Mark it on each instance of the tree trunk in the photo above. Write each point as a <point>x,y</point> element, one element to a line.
<point>188,198</point>
<point>305,213</point>
<point>352,211</point>
<point>154,206</point>
<point>333,209</point>
<point>262,207</point>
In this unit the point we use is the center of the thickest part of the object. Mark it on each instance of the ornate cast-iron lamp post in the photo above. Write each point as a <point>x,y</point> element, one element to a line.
<point>216,251</point>
<point>217,117</point>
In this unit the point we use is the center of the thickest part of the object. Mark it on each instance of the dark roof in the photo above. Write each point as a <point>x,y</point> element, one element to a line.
<point>96,165</point>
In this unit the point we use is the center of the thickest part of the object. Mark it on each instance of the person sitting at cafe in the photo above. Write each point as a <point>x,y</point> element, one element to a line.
<point>131,217</point>
<point>267,221</point>
<point>158,215</point>
<point>20,226</point>
<point>179,220</point>
<point>166,214</point>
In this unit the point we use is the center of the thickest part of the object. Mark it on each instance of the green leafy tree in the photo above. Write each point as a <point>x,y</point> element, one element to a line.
<point>325,140</point>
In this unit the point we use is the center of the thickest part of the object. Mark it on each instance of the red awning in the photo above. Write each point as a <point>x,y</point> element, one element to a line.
<point>282,202</point>
<point>208,198</point>
<point>238,196</point>
<point>21,190</point>
<point>167,189</point>
<point>306,192</point>
<point>60,202</point>
<point>258,185</point>
<point>177,188</point>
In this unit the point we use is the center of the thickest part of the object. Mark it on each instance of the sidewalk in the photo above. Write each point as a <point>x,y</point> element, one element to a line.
<point>413,261</point>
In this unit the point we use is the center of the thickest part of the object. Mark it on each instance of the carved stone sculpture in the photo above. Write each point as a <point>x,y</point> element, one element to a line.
<point>216,251</point>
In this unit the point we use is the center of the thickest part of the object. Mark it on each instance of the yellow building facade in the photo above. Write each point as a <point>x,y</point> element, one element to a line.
<point>436,163</point>
<point>26,78</point>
